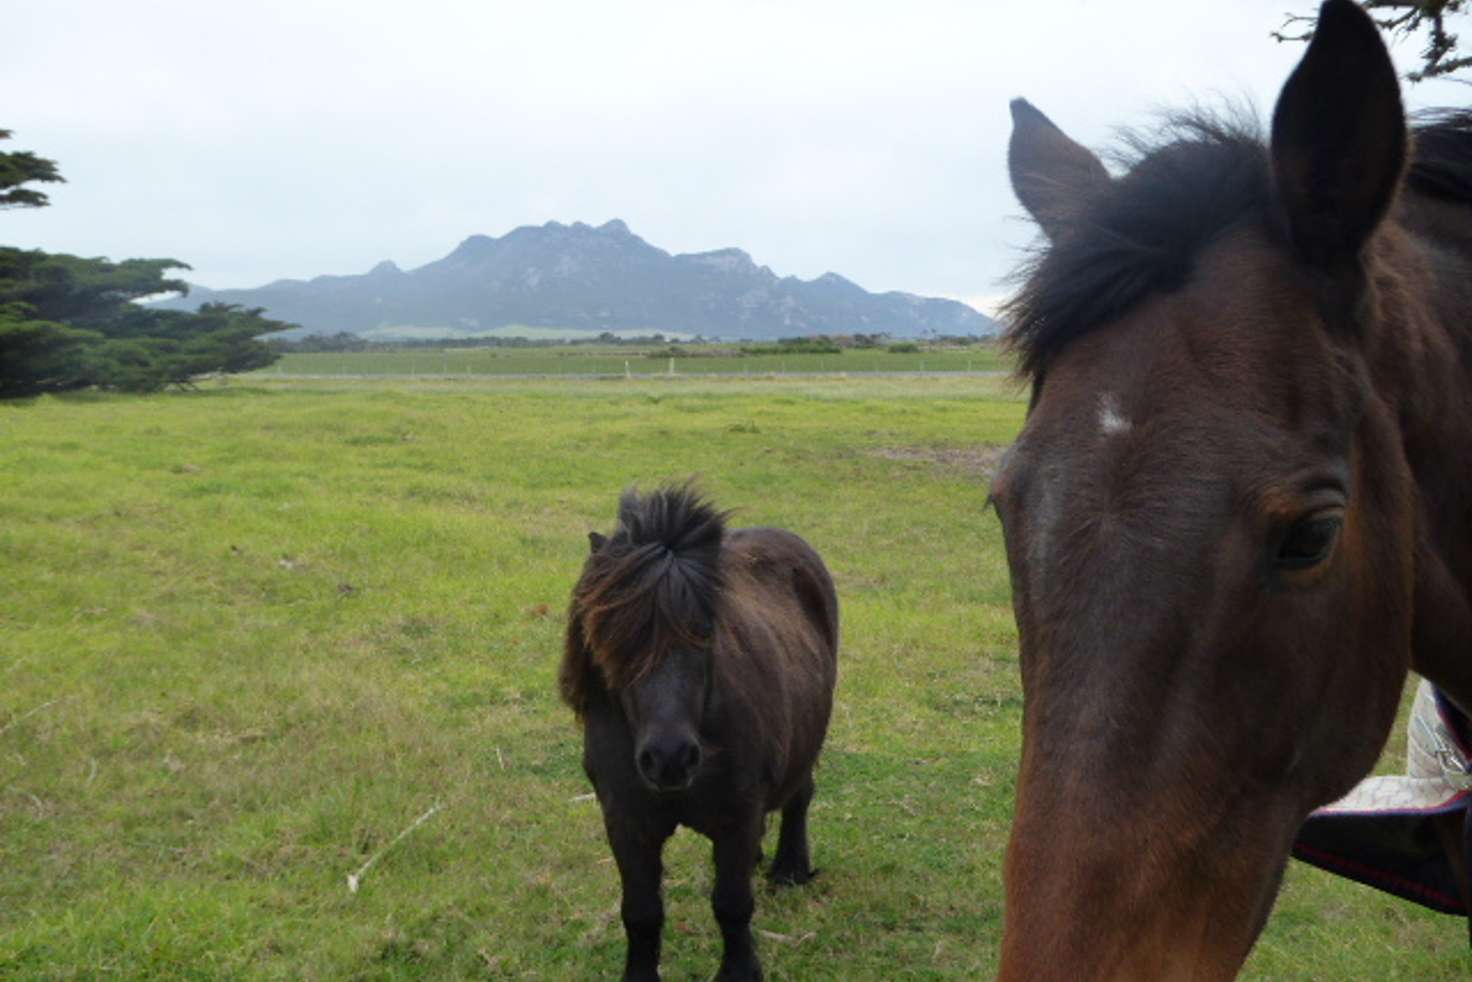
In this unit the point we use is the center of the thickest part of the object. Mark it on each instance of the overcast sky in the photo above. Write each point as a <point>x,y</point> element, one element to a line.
<point>269,139</point>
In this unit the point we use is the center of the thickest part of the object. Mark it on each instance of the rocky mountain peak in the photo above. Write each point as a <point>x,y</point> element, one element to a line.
<point>602,278</point>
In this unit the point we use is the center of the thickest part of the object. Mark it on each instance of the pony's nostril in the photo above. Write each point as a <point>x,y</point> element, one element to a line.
<point>692,757</point>
<point>646,763</point>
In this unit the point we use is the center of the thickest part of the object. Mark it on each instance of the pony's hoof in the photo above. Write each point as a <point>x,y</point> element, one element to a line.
<point>792,877</point>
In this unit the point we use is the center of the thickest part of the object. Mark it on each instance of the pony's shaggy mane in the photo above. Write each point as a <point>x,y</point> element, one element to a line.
<point>1196,178</point>
<point>652,586</point>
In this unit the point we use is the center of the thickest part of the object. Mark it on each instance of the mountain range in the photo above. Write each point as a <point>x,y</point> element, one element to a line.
<point>592,279</point>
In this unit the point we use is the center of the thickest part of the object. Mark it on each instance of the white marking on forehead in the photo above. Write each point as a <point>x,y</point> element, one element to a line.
<point>1111,420</point>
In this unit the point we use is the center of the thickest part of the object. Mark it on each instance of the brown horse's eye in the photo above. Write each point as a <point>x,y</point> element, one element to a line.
<point>1309,542</point>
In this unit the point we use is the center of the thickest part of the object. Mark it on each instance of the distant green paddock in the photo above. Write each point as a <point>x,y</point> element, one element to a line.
<point>401,331</point>
<point>588,360</point>
<point>250,634</point>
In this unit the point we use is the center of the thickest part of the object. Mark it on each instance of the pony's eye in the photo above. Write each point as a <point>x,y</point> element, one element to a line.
<point>1309,542</point>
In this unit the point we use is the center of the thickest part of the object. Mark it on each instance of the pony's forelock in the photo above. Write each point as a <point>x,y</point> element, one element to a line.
<point>652,587</point>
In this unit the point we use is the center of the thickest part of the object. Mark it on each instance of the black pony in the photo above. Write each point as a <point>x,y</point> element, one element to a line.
<point>702,664</point>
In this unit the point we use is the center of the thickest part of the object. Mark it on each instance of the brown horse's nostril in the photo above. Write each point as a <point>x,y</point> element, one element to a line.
<point>692,758</point>
<point>646,764</point>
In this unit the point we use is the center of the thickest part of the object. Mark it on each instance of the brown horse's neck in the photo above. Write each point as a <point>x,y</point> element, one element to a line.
<point>1422,365</point>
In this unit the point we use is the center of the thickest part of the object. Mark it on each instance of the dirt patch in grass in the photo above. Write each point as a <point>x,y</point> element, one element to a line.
<point>978,462</point>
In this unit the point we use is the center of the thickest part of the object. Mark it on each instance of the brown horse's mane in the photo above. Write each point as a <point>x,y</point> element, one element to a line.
<point>653,585</point>
<point>1200,175</point>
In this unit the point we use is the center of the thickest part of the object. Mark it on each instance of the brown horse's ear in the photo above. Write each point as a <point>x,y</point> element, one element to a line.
<point>1052,176</point>
<point>1339,138</point>
<point>596,542</point>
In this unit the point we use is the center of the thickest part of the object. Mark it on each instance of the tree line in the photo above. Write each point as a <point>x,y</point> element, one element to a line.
<point>68,322</point>
<point>1441,54</point>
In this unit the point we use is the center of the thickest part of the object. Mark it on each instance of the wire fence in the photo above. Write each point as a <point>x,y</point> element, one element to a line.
<point>482,362</point>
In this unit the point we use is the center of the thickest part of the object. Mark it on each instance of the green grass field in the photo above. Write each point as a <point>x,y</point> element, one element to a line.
<point>632,360</point>
<point>250,634</point>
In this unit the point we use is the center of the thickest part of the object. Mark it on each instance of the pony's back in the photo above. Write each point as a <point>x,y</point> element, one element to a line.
<point>777,647</point>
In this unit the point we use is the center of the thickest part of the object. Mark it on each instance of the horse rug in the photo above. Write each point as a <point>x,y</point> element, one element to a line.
<point>1382,833</point>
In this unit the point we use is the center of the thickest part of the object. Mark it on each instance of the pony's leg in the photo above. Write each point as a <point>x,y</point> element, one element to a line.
<point>732,899</point>
<point>793,864</point>
<point>637,849</point>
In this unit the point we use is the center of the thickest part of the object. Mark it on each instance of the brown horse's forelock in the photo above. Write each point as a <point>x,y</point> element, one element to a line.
<point>1199,177</point>
<point>653,587</point>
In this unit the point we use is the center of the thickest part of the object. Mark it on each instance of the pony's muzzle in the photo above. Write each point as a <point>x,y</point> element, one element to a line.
<point>669,764</point>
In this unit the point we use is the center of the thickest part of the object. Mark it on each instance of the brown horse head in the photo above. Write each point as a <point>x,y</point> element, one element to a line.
<point>1215,514</point>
